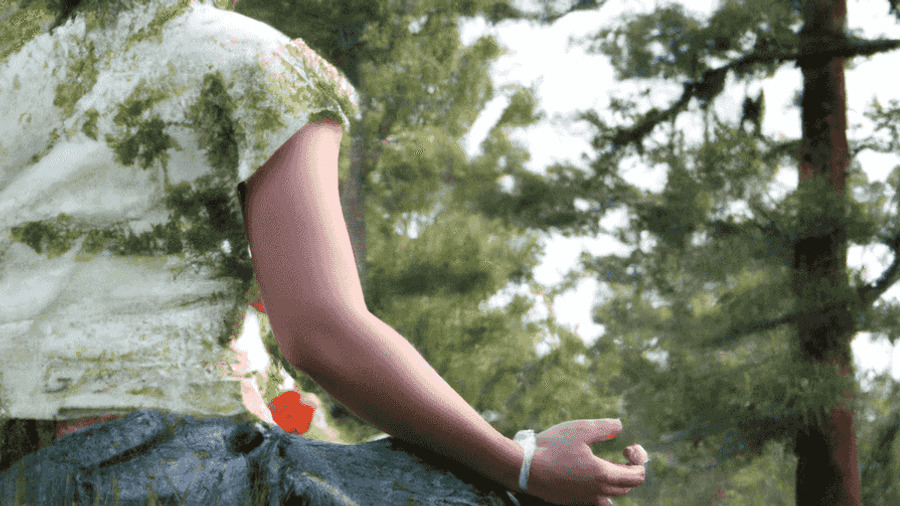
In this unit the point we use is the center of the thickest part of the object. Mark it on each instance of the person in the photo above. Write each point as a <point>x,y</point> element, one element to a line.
<point>311,290</point>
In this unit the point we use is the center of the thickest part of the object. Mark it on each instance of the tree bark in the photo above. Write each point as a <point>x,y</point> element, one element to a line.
<point>828,470</point>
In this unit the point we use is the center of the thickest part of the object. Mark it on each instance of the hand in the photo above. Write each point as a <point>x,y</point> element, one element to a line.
<point>565,471</point>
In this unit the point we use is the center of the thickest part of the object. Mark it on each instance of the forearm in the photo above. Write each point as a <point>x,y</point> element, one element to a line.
<point>305,268</point>
<point>382,378</point>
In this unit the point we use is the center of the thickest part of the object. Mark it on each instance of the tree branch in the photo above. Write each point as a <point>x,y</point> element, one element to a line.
<point>710,84</point>
<point>867,295</point>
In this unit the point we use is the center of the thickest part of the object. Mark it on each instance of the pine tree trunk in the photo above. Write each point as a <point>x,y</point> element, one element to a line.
<point>828,470</point>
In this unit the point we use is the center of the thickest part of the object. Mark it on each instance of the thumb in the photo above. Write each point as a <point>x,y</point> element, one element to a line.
<point>588,431</point>
<point>606,429</point>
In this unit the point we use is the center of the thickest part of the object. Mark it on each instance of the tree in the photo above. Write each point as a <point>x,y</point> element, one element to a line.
<point>451,280</point>
<point>803,392</point>
<point>879,444</point>
<point>352,34</point>
<point>374,43</point>
<point>424,90</point>
<point>429,288</point>
<point>684,207</point>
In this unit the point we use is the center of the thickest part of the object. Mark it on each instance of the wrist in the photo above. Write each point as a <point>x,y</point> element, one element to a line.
<point>526,440</point>
<point>510,475</point>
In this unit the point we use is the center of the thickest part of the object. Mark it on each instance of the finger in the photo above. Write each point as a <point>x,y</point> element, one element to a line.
<point>623,476</point>
<point>609,490</point>
<point>603,429</point>
<point>636,454</point>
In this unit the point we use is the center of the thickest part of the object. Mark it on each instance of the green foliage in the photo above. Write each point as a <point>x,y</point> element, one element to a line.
<point>669,26</point>
<point>718,274</point>
<point>719,416</point>
<point>689,46</point>
<point>426,90</point>
<point>879,444</point>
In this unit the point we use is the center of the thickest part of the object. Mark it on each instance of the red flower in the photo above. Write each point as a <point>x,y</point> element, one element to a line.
<point>290,414</point>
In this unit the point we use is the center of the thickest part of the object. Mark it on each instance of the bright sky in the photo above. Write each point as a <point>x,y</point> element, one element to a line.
<point>569,79</point>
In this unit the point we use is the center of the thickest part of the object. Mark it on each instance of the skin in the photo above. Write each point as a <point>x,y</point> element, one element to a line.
<point>310,288</point>
<point>565,453</point>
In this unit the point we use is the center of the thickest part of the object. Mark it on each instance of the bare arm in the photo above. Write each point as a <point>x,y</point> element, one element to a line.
<point>310,287</point>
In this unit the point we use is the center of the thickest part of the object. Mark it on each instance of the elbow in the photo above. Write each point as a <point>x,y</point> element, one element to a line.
<point>315,339</point>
